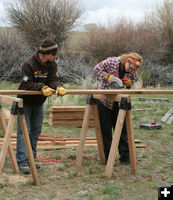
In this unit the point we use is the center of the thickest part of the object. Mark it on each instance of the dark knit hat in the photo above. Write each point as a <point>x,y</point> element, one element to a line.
<point>48,46</point>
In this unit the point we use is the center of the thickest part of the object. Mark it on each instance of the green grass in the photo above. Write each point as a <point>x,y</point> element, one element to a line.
<point>62,180</point>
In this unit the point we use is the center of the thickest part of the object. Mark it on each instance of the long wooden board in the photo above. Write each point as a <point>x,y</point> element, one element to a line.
<point>26,92</point>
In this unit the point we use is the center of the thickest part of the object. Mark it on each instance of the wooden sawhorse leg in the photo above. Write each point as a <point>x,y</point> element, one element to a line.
<point>10,148</point>
<point>7,137</point>
<point>90,107</point>
<point>28,145</point>
<point>125,110</point>
<point>6,143</point>
<point>131,141</point>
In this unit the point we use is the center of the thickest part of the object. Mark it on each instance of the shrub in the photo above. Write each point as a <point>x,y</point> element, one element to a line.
<point>73,70</point>
<point>12,54</point>
<point>38,19</point>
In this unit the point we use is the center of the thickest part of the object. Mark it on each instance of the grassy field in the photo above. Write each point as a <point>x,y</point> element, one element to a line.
<point>63,181</point>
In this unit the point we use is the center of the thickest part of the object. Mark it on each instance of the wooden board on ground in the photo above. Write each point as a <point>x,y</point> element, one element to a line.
<point>153,99</point>
<point>168,116</point>
<point>57,142</point>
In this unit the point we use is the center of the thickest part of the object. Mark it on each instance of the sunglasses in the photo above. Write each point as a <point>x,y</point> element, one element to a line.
<point>132,67</point>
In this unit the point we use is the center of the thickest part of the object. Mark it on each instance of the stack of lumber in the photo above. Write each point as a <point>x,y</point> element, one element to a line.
<point>58,142</point>
<point>68,116</point>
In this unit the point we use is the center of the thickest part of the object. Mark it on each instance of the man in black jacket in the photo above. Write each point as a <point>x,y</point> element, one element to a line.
<point>39,73</point>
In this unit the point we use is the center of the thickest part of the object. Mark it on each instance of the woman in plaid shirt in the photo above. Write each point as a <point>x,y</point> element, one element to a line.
<point>125,65</point>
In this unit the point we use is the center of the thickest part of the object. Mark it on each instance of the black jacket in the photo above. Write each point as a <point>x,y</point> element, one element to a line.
<point>35,76</point>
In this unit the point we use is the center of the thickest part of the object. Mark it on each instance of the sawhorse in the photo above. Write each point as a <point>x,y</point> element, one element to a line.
<point>124,112</point>
<point>16,109</point>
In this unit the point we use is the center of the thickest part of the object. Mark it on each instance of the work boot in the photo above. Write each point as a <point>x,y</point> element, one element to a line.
<point>38,166</point>
<point>24,169</point>
<point>124,160</point>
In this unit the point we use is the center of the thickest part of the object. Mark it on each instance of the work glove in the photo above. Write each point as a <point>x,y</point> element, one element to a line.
<point>114,81</point>
<point>127,82</point>
<point>108,76</point>
<point>60,91</point>
<point>47,91</point>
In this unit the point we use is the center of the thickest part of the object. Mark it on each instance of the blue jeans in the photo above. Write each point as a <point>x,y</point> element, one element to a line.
<point>34,121</point>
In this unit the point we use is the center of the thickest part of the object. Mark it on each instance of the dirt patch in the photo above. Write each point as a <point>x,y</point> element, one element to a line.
<point>14,179</point>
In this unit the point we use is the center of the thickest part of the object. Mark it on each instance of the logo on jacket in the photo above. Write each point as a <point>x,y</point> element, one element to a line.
<point>40,74</point>
<point>25,78</point>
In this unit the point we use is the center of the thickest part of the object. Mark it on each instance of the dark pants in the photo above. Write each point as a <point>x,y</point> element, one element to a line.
<point>108,120</point>
<point>34,120</point>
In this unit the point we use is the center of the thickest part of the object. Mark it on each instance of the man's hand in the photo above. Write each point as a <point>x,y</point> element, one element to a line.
<point>126,81</point>
<point>47,91</point>
<point>60,91</point>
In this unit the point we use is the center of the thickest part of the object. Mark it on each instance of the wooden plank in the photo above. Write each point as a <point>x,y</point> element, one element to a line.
<point>167,115</point>
<point>13,144</point>
<point>83,135</point>
<point>10,148</point>
<point>66,108</point>
<point>131,141</point>
<point>28,148</point>
<point>61,138</point>
<point>6,142</point>
<point>98,133</point>
<point>115,143</point>
<point>116,97</point>
<point>122,91</point>
<point>69,123</point>
<point>152,99</point>
<point>9,101</point>
<point>140,146</point>
<point>78,92</point>
<point>12,139</point>
<point>170,120</point>
<point>63,146</point>
<point>68,115</point>
<point>64,142</point>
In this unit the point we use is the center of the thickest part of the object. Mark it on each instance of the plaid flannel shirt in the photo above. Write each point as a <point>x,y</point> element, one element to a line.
<point>110,65</point>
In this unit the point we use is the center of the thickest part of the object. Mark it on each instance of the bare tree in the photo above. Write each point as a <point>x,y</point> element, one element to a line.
<point>108,41</point>
<point>38,19</point>
<point>161,22</point>
<point>146,42</point>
